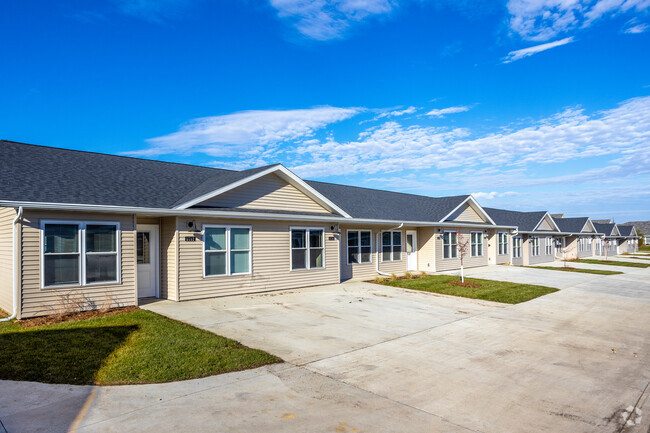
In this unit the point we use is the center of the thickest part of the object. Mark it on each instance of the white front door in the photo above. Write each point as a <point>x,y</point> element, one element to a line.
<point>411,250</point>
<point>147,258</point>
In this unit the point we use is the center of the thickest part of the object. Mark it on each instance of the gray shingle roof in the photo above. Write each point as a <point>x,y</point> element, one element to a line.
<point>526,221</point>
<point>625,230</point>
<point>571,225</point>
<point>52,175</point>
<point>604,228</point>
<point>379,204</point>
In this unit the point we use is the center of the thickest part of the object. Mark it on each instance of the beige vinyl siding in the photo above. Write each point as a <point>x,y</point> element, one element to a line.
<point>467,214</point>
<point>427,249</point>
<point>571,247</point>
<point>369,270</point>
<point>7,215</point>
<point>502,258</point>
<point>588,252</point>
<point>542,257</point>
<point>443,264</point>
<point>545,225</point>
<point>268,192</point>
<point>168,259</point>
<point>148,220</point>
<point>38,301</point>
<point>270,261</point>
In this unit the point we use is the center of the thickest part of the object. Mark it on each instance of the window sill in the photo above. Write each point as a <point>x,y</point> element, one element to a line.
<point>228,275</point>
<point>307,269</point>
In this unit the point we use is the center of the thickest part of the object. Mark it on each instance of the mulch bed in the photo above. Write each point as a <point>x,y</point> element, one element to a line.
<point>465,284</point>
<point>71,317</point>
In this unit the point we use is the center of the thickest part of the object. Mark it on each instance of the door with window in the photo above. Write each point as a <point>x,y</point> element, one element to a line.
<point>147,258</point>
<point>411,250</point>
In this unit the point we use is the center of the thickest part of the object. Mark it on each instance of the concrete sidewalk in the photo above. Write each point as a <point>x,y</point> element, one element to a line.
<point>368,358</point>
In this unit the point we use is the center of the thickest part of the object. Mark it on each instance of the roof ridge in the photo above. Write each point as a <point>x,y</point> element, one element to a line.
<point>118,156</point>
<point>386,190</point>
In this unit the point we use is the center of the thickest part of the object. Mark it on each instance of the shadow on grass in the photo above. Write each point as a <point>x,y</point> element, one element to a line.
<point>72,356</point>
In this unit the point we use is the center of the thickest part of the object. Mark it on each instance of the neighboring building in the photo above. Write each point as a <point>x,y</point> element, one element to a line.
<point>610,240</point>
<point>536,240</point>
<point>629,241</point>
<point>580,236</point>
<point>106,230</point>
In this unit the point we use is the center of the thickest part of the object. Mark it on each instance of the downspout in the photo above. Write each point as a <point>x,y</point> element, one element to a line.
<point>15,265</point>
<point>377,244</point>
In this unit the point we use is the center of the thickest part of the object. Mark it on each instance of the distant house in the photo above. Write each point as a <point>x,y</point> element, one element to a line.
<point>538,239</point>
<point>610,239</point>
<point>580,239</point>
<point>629,240</point>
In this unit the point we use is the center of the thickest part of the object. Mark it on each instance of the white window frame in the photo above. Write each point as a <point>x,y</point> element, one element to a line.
<point>228,250</point>
<point>502,243</point>
<point>81,230</point>
<point>307,247</point>
<point>534,246</point>
<point>450,245</point>
<point>347,252</point>
<point>516,247</point>
<point>401,246</point>
<point>548,248</point>
<point>476,244</point>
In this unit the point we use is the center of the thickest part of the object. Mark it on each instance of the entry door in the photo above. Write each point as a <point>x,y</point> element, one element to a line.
<point>411,250</point>
<point>147,258</point>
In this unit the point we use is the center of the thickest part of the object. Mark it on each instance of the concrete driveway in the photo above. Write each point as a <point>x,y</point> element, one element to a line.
<point>362,357</point>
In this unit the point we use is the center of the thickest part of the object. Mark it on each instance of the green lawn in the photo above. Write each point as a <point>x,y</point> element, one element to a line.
<point>645,248</point>
<point>584,271</point>
<point>639,258</point>
<point>497,291</point>
<point>135,347</point>
<point>612,263</point>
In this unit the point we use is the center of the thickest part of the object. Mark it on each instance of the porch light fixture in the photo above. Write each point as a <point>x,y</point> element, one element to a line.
<point>192,227</point>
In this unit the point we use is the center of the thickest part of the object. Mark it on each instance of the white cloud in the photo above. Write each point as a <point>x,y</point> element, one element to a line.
<point>634,27</point>
<point>440,112</point>
<point>246,132</point>
<point>492,195</point>
<point>541,20</point>
<point>525,52</point>
<point>568,135</point>
<point>329,19</point>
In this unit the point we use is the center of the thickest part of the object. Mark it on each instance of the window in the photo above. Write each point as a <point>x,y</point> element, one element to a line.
<point>534,246</point>
<point>359,246</point>
<point>391,246</point>
<point>79,253</point>
<point>450,245</point>
<point>227,250</point>
<point>142,248</point>
<point>516,247</point>
<point>476,244</point>
<point>502,239</point>
<point>307,248</point>
<point>549,246</point>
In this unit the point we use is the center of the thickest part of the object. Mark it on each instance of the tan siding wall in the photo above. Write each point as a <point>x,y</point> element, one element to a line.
<point>542,257</point>
<point>37,301</point>
<point>572,247</point>
<point>545,225</point>
<point>268,192</point>
<point>7,215</point>
<point>369,270</point>
<point>467,214</point>
<point>427,249</point>
<point>502,258</point>
<point>148,220</point>
<point>168,259</point>
<point>271,265</point>
<point>443,264</point>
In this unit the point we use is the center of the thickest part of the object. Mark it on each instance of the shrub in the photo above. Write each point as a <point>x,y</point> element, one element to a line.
<point>409,276</point>
<point>393,277</point>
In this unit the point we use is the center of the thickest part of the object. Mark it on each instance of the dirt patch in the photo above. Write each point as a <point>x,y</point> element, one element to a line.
<point>72,317</point>
<point>464,284</point>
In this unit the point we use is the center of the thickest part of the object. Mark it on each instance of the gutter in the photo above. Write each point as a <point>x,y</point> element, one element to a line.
<point>234,214</point>
<point>377,246</point>
<point>15,266</point>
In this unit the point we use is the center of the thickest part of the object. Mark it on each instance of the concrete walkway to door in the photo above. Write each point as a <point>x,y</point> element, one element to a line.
<point>366,358</point>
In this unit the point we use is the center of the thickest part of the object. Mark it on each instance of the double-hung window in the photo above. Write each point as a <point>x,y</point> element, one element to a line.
<point>391,246</point>
<point>516,247</point>
<point>534,246</point>
<point>476,244</point>
<point>502,239</point>
<point>549,246</point>
<point>79,253</point>
<point>307,248</point>
<point>450,245</point>
<point>227,250</point>
<point>359,246</point>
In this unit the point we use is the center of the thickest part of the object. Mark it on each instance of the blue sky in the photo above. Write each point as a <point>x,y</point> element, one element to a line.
<point>528,104</point>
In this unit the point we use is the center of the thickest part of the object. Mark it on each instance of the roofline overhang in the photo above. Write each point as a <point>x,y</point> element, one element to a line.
<point>471,198</point>
<point>72,207</point>
<point>545,233</point>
